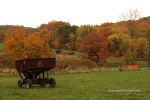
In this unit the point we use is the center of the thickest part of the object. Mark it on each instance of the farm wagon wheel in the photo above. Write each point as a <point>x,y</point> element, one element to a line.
<point>52,82</point>
<point>29,83</point>
<point>20,83</point>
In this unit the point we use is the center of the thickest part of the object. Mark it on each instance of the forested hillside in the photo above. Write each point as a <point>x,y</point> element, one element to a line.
<point>128,40</point>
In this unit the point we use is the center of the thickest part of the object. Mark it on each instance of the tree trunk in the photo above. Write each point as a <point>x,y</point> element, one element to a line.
<point>132,30</point>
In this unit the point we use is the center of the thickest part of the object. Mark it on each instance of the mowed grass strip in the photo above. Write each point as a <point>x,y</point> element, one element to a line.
<point>126,85</point>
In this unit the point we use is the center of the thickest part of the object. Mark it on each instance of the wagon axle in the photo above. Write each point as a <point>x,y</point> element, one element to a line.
<point>42,82</point>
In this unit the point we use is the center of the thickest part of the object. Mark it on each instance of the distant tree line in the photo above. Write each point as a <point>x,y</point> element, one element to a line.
<point>128,39</point>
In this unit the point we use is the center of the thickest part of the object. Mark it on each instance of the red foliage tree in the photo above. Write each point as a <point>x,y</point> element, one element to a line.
<point>95,44</point>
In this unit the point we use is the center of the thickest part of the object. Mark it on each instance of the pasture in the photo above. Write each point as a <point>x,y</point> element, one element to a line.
<point>110,85</point>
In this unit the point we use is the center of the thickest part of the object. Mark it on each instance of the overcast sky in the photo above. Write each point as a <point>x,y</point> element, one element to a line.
<point>32,13</point>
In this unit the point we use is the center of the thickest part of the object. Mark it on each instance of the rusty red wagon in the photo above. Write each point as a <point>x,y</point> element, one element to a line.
<point>35,71</point>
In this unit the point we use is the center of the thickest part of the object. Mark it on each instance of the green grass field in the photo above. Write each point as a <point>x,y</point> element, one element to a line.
<point>126,85</point>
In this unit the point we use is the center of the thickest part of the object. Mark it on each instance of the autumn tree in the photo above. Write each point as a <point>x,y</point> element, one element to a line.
<point>114,45</point>
<point>105,28</point>
<point>36,47</point>
<point>144,25</point>
<point>20,45</point>
<point>59,33</point>
<point>82,31</point>
<point>14,42</point>
<point>119,45</point>
<point>71,45</point>
<point>148,38</point>
<point>50,29</point>
<point>141,48</point>
<point>64,34</point>
<point>130,17</point>
<point>127,45</point>
<point>95,44</point>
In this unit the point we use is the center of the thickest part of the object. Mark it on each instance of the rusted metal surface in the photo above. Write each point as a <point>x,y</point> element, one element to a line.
<point>35,64</point>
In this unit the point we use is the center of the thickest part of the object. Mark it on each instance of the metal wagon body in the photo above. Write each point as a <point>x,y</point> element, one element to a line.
<point>35,71</point>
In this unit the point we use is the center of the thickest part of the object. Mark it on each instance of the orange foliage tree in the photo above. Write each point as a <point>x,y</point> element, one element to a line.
<point>106,29</point>
<point>141,48</point>
<point>14,42</point>
<point>36,46</point>
<point>19,45</point>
